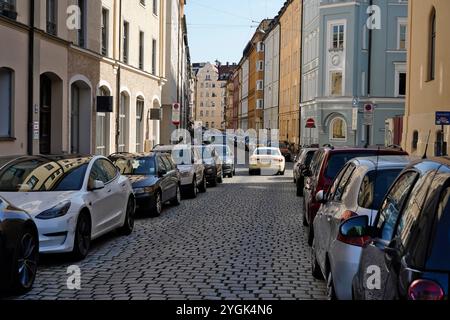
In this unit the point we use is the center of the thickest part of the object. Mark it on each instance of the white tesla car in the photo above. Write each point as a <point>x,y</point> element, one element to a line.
<point>72,200</point>
<point>267,161</point>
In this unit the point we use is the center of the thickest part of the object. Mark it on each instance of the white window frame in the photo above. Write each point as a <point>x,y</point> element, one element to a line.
<point>402,22</point>
<point>331,25</point>
<point>400,67</point>
<point>260,85</point>
<point>332,131</point>
<point>259,104</point>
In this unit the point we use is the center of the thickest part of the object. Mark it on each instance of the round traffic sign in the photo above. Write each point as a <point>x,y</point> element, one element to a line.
<point>310,123</point>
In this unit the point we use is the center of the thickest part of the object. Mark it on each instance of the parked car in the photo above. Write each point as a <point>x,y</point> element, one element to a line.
<point>212,163</point>
<point>302,163</point>
<point>285,151</point>
<point>72,199</point>
<point>325,166</point>
<point>268,161</point>
<point>189,163</point>
<point>357,191</point>
<point>19,250</point>
<point>226,158</point>
<point>154,177</point>
<point>407,249</point>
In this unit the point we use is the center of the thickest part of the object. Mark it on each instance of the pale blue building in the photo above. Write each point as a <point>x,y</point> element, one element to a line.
<point>354,55</point>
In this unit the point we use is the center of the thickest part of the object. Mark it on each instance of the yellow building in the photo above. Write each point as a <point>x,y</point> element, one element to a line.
<point>290,69</point>
<point>428,89</point>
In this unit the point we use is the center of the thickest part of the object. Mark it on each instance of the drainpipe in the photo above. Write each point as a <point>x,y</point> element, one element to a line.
<point>369,77</point>
<point>118,80</point>
<point>301,78</point>
<point>30,80</point>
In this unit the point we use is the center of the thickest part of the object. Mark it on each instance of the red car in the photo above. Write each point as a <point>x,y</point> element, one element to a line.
<point>325,166</point>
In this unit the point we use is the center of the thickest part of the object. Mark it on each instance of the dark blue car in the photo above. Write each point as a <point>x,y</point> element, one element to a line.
<point>407,254</point>
<point>154,177</point>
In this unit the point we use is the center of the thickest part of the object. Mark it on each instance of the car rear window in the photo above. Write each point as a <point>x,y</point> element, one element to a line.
<point>309,157</point>
<point>440,257</point>
<point>338,160</point>
<point>375,186</point>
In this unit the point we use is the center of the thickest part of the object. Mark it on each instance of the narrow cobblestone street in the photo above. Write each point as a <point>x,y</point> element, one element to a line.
<point>241,240</point>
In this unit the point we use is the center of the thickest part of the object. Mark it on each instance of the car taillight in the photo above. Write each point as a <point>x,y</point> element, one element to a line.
<point>425,290</point>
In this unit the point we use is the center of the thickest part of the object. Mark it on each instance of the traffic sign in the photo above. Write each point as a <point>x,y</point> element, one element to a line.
<point>443,118</point>
<point>310,123</point>
<point>355,119</point>
<point>369,110</point>
<point>176,114</point>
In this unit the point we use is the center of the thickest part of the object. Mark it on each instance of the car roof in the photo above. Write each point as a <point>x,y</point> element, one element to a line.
<point>132,155</point>
<point>171,147</point>
<point>383,162</point>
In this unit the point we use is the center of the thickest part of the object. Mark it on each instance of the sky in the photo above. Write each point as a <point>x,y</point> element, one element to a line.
<point>220,29</point>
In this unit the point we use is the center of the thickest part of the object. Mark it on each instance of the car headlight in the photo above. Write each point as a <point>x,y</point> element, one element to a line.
<point>185,173</point>
<point>55,212</point>
<point>209,170</point>
<point>146,190</point>
<point>229,161</point>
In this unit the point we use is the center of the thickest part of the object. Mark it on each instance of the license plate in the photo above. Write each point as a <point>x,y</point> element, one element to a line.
<point>265,162</point>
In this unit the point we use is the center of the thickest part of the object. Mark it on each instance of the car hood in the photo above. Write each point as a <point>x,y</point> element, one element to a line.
<point>142,181</point>
<point>36,202</point>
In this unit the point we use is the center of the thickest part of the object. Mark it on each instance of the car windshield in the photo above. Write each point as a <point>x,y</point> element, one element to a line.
<point>205,151</point>
<point>380,181</point>
<point>223,151</point>
<point>338,160</point>
<point>267,152</point>
<point>41,174</point>
<point>144,166</point>
<point>182,156</point>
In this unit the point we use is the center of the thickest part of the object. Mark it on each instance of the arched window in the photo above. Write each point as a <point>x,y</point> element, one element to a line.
<point>6,102</point>
<point>432,46</point>
<point>338,129</point>
<point>140,124</point>
<point>123,122</point>
<point>102,127</point>
<point>415,140</point>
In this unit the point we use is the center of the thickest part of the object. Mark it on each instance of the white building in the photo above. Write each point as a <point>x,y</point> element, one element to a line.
<point>272,76</point>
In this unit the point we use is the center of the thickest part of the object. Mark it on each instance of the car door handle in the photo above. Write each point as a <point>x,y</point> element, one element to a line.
<point>110,190</point>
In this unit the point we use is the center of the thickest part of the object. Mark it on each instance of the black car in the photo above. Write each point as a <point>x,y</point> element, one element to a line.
<point>301,165</point>
<point>226,158</point>
<point>406,253</point>
<point>212,163</point>
<point>154,177</point>
<point>19,250</point>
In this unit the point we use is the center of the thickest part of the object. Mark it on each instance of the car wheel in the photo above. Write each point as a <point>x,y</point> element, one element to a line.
<point>193,188</point>
<point>203,186</point>
<point>310,234</point>
<point>299,188</point>
<point>177,200</point>
<point>331,293</point>
<point>220,178</point>
<point>128,225</point>
<point>305,222</point>
<point>316,272</point>
<point>25,262</point>
<point>283,172</point>
<point>231,175</point>
<point>157,205</point>
<point>82,242</point>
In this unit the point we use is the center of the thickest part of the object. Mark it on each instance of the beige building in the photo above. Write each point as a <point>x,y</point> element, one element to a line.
<point>94,51</point>
<point>210,93</point>
<point>428,87</point>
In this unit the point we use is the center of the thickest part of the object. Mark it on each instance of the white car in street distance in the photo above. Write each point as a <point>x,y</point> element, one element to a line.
<point>190,164</point>
<point>267,161</point>
<point>72,199</point>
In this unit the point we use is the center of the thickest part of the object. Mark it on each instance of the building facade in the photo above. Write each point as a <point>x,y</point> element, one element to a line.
<point>348,66</point>
<point>428,69</point>
<point>272,76</point>
<point>243,109</point>
<point>93,83</point>
<point>290,18</point>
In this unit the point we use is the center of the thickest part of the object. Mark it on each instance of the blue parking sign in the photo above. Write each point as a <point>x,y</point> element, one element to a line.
<point>443,118</point>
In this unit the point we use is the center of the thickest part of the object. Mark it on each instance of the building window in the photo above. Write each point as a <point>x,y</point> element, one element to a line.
<point>52,19</point>
<point>123,120</point>
<point>338,129</point>
<point>432,49</point>
<point>400,80</point>
<point>126,39</point>
<point>260,65</point>
<point>260,47</point>
<point>213,125</point>
<point>139,124</point>
<point>8,9</point>
<point>155,7</point>
<point>82,30</point>
<point>336,83</point>
<point>260,85</point>
<point>6,102</point>
<point>154,55</point>
<point>259,104</point>
<point>338,37</point>
<point>105,31</point>
<point>402,34</point>
<point>141,50</point>
<point>415,140</point>
<point>102,127</point>
<point>201,113</point>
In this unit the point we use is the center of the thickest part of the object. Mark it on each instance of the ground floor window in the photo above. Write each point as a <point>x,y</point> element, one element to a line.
<point>338,129</point>
<point>6,92</point>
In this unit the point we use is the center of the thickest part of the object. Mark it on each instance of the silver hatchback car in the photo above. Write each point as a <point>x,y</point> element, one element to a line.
<point>357,190</point>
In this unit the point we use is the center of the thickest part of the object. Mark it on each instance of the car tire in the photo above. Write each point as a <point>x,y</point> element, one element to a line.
<point>82,242</point>
<point>156,206</point>
<point>202,188</point>
<point>25,263</point>
<point>128,225</point>
<point>315,268</point>
<point>310,235</point>
<point>231,175</point>
<point>220,178</point>
<point>305,222</point>
<point>176,201</point>
<point>282,173</point>
<point>299,188</point>
<point>193,189</point>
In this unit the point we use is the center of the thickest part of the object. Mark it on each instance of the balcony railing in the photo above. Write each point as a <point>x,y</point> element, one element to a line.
<point>8,10</point>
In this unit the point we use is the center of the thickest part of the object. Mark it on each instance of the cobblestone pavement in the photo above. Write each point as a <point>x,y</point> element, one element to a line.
<point>241,240</point>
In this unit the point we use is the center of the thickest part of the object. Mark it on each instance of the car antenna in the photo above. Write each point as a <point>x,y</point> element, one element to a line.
<point>425,156</point>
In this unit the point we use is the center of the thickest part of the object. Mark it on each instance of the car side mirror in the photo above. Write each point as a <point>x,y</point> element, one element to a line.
<point>162,172</point>
<point>97,185</point>
<point>356,227</point>
<point>321,197</point>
